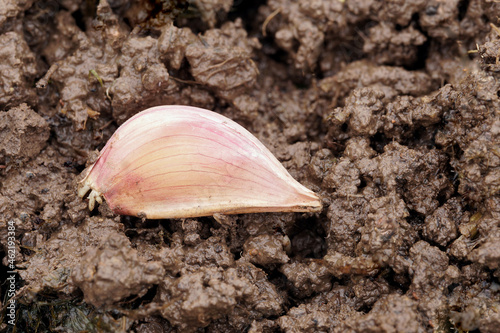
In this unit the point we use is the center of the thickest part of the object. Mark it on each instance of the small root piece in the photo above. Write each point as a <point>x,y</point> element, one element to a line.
<point>93,197</point>
<point>44,81</point>
<point>268,19</point>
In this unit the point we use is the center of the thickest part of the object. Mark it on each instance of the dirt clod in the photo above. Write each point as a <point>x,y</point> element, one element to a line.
<point>18,70</point>
<point>23,134</point>
<point>114,266</point>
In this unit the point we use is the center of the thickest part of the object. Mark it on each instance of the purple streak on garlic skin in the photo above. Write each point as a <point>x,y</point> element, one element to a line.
<point>180,161</point>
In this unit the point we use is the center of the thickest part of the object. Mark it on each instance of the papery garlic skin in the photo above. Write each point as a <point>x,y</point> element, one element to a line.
<point>179,161</point>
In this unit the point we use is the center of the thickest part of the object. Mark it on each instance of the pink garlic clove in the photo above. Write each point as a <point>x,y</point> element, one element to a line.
<point>179,161</point>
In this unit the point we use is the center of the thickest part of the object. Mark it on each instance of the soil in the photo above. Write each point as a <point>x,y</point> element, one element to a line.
<point>389,110</point>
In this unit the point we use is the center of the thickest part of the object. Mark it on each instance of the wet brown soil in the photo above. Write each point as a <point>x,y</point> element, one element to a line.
<point>389,110</point>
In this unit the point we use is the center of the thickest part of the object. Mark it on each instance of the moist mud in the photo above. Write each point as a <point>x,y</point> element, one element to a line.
<point>388,110</point>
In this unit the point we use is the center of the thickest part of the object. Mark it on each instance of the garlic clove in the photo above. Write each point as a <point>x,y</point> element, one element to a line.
<point>180,161</point>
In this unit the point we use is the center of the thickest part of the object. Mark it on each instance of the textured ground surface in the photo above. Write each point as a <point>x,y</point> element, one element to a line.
<point>390,110</point>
